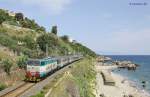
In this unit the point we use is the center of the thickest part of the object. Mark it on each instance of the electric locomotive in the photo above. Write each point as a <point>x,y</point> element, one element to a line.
<point>39,68</point>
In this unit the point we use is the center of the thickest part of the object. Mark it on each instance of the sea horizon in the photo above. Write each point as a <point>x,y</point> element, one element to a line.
<point>124,55</point>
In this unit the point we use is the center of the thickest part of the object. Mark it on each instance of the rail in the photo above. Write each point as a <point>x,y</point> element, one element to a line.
<point>19,90</point>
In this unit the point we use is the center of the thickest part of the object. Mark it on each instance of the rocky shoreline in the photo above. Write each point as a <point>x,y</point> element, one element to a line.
<point>126,64</point>
<point>120,64</point>
<point>122,88</point>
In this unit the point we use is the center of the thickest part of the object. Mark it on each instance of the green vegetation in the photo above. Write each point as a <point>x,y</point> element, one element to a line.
<point>83,49</point>
<point>27,23</point>
<point>54,30</point>
<point>4,16</point>
<point>7,64</point>
<point>41,94</point>
<point>2,19</point>
<point>22,38</point>
<point>19,16</point>
<point>7,41</point>
<point>78,81</point>
<point>21,62</point>
<point>29,42</point>
<point>34,41</point>
<point>84,75</point>
<point>2,86</point>
<point>65,38</point>
<point>19,20</point>
<point>4,55</point>
<point>47,39</point>
<point>20,35</point>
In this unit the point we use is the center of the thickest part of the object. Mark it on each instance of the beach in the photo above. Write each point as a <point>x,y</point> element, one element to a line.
<point>122,85</point>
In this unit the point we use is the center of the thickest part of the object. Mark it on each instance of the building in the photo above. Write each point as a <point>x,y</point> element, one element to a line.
<point>11,13</point>
<point>70,39</point>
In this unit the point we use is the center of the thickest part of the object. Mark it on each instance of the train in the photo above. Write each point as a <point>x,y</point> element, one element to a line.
<point>38,69</point>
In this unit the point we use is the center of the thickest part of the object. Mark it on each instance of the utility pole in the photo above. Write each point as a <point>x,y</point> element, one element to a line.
<point>37,47</point>
<point>78,51</point>
<point>46,50</point>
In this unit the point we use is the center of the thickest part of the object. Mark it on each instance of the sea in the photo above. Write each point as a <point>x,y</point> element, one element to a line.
<point>142,73</point>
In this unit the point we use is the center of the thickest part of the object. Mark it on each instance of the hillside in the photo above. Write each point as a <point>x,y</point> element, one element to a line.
<point>20,36</point>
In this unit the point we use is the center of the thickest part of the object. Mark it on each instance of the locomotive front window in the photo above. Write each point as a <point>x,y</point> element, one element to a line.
<point>35,63</point>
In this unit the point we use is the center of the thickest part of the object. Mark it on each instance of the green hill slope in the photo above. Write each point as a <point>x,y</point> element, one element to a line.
<point>23,36</point>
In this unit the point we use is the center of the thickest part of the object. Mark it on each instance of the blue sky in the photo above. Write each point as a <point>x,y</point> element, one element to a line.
<point>105,26</point>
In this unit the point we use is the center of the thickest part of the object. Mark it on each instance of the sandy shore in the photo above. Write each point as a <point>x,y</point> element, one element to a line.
<point>122,85</point>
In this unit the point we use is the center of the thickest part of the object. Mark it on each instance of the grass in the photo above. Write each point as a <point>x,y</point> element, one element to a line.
<point>4,55</point>
<point>10,35</point>
<point>2,86</point>
<point>65,87</point>
<point>41,94</point>
<point>14,31</point>
<point>84,75</point>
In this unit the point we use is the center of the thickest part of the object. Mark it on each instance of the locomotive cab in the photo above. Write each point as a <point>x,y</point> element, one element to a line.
<point>32,70</point>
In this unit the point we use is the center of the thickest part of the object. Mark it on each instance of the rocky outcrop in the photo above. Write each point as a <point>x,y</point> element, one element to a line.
<point>103,59</point>
<point>126,64</point>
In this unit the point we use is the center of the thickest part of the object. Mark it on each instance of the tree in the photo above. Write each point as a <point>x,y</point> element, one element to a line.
<point>7,64</point>
<point>19,16</point>
<point>46,40</point>
<point>21,62</point>
<point>54,30</point>
<point>42,29</point>
<point>65,38</point>
<point>2,86</point>
<point>29,42</point>
<point>2,19</point>
<point>42,41</point>
<point>24,24</point>
<point>3,16</point>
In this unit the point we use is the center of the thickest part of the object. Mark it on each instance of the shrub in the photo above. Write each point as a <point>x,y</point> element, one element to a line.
<point>65,38</point>
<point>27,23</point>
<point>7,41</point>
<point>46,40</point>
<point>26,51</point>
<point>21,62</point>
<point>54,30</point>
<point>2,30</point>
<point>41,94</point>
<point>2,86</point>
<point>7,64</point>
<point>12,22</point>
<point>29,42</point>
<point>2,19</point>
<point>19,16</point>
<point>4,16</point>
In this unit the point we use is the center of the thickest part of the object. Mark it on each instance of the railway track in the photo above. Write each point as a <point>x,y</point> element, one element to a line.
<point>19,90</point>
<point>27,89</point>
